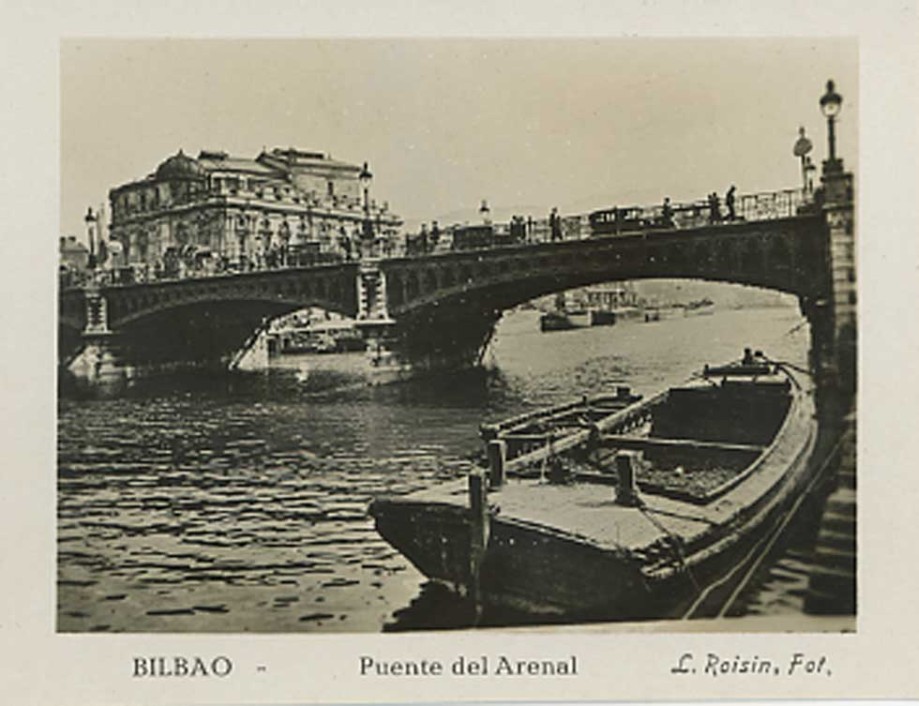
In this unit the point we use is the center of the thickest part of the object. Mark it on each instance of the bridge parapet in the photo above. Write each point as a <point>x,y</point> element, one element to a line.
<point>760,206</point>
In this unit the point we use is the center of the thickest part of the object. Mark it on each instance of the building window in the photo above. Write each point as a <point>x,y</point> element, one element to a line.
<point>330,186</point>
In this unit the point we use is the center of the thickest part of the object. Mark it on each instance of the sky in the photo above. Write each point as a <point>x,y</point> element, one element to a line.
<point>527,124</point>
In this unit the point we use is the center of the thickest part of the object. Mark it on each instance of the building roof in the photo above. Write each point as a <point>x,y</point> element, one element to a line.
<point>180,166</point>
<point>222,162</point>
<point>291,157</point>
<point>276,164</point>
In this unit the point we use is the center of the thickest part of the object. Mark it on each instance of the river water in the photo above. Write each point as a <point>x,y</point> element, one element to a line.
<point>239,504</point>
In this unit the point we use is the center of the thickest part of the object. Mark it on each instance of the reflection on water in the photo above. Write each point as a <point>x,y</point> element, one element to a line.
<point>240,504</point>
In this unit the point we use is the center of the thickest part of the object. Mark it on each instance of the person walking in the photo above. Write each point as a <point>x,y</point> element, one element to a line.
<point>667,213</point>
<point>729,203</point>
<point>555,225</point>
<point>714,205</point>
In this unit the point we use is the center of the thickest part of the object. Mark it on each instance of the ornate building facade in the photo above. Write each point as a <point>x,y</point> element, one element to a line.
<point>222,213</point>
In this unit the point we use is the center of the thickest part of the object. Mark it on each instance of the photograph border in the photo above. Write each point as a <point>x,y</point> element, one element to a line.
<point>876,662</point>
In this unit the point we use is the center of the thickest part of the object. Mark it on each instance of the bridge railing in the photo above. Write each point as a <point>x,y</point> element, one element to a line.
<point>145,274</point>
<point>762,206</point>
<point>616,220</point>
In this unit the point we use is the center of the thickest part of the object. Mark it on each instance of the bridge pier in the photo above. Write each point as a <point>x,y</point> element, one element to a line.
<point>97,364</point>
<point>833,316</point>
<point>834,338</point>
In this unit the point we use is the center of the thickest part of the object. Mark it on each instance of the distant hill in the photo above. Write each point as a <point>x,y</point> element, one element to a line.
<point>725,296</point>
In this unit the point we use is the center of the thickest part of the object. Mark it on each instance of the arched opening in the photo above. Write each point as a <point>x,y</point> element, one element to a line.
<point>295,339</point>
<point>650,331</point>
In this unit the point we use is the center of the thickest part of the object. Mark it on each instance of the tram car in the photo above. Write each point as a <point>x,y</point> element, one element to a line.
<point>615,221</point>
<point>484,236</point>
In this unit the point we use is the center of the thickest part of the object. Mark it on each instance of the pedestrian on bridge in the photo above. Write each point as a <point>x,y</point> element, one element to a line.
<point>435,235</point>
<point>423,239</point>
<point>667,213</point>
<point>714,205</point>
<point>729,202</point>
<point>555,225</point>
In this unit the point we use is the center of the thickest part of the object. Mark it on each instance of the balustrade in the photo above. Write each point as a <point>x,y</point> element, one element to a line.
<point>764,206</point>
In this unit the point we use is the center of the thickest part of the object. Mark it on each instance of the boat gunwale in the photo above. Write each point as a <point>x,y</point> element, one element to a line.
<point>558,445</point>
<point>507,426</point>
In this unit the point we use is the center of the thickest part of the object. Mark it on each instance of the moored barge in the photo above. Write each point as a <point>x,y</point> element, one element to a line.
<point>617,507</point>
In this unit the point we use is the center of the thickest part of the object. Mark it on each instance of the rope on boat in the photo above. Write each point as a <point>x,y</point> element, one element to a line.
<point>675,542</point>
<point>789,364</point>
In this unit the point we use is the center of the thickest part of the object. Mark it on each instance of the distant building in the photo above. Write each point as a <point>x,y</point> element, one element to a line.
<point>218,211</point>
<point>610,296</point>
<point>72,254</point>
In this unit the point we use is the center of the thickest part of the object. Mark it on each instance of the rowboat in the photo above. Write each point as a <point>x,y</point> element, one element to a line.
<point>619,507</point>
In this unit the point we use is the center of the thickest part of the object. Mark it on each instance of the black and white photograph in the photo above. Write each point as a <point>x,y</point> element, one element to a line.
<point>402,335</point>
<point>411,353</point>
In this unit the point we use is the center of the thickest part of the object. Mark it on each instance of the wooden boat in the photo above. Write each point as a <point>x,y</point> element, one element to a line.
<point>616,507</point>
<point>564,320</point>
<point>701,307</point>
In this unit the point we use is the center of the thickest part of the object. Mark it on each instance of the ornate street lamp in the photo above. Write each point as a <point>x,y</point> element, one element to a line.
<point>365,177</point>
<point>91,219</point>
<point>830,105</point>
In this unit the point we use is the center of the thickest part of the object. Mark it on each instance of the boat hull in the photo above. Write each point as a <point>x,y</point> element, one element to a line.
<point>541,572</point>
<point>523,568</point>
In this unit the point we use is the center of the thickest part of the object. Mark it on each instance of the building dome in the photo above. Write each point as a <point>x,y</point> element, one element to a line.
<point>180,166</point>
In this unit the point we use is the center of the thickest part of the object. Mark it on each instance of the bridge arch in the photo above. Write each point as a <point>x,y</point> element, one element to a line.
<point>459,312</point>
<point>765,255</point>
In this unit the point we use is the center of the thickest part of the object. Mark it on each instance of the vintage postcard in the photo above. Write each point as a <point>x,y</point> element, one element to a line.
<point>535,363</point>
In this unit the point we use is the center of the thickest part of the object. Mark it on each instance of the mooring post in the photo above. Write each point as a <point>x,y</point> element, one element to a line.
<point>478,533</point>
<point>497,457</point>
<point>626,481</point>
<point>488,432</point>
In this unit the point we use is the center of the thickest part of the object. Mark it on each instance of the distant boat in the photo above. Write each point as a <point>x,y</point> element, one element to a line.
<point>700,307</point>
<point>662,313</point>
<point>317,337</point>
<point>616,507</point>
<point>602,306</point>
<point>563,320</point>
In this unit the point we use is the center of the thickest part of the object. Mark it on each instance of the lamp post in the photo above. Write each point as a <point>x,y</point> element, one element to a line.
<point>830,105</point>
<point>486,212</point>
<point>90,219</point>
<point>365,177</point>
